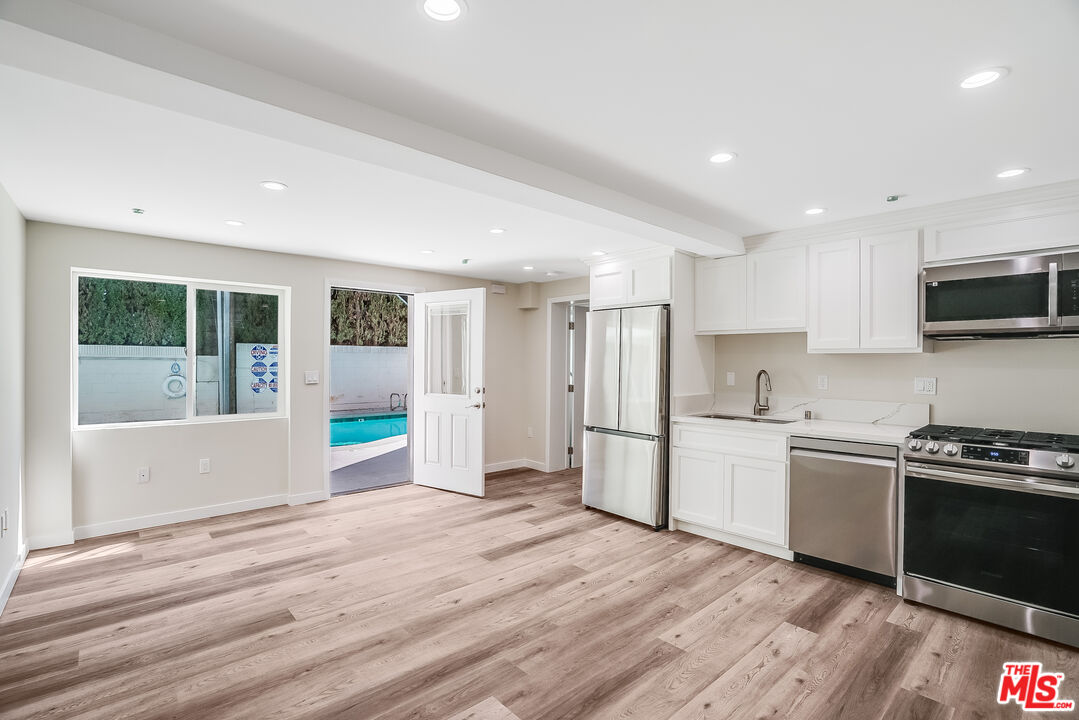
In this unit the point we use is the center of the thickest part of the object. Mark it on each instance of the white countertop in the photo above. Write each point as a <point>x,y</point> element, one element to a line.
<point>833,429</point>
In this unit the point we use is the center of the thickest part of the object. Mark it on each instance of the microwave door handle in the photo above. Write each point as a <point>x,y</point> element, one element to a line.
<point>1054,310</point>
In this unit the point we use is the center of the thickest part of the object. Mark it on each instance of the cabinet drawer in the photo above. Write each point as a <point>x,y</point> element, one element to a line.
<point>768,446</point>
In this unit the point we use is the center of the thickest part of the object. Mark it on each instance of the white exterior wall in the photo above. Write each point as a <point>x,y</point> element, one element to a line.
<point>362,378</point>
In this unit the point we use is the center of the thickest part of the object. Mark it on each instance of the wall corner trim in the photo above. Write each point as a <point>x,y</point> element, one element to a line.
<point>11,576</point>
<point>199,513</point>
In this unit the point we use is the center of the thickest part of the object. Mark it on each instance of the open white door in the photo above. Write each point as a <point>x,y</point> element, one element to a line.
<point>448,387</point>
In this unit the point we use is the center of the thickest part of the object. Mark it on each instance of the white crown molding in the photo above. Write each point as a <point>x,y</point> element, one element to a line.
<point>1029,202</point>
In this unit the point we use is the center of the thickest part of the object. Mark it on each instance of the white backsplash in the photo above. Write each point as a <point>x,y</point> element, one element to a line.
<point>794,408</point>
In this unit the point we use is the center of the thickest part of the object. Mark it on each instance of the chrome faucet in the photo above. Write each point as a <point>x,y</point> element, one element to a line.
<point>758,408</point>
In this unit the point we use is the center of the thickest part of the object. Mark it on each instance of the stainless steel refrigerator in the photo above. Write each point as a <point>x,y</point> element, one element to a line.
<point>625,413</point>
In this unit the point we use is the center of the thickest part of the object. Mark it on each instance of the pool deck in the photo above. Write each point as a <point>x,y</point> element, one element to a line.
<point>345,455</point>
<point>388,469</point>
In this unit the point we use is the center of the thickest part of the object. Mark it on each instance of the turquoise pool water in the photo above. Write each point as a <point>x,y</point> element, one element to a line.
<point>351,431</point>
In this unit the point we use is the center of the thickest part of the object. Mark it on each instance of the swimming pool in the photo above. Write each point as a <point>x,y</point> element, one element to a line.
<point>352,431</point>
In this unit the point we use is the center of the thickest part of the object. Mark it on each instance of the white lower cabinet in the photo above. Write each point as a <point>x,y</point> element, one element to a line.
<point>736,495</point>
<point>755,498</point>
<point>697,495</point>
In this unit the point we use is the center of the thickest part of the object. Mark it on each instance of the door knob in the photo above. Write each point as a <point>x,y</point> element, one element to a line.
<point>478,405</point>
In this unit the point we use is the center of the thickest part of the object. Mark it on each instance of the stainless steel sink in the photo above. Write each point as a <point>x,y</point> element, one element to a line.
<point>745,418</point>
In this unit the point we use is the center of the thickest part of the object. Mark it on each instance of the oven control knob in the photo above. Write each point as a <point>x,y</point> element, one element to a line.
<point>931,447</point>
<point>915,445</point>
<point>1065,461</point>
<point>950,449</point>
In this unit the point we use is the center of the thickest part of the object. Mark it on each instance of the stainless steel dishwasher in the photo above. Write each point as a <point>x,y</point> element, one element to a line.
<point>843,507</point>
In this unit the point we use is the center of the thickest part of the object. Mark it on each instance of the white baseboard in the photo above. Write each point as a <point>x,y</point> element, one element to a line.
<point>147,521</point>
<point>38,542</point>
<point>513,465</point>
<point>11,577</point>
<point>731,539</point>
<point>308,497</point>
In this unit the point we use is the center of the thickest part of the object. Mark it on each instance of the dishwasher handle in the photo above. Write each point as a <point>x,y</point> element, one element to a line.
<point>840,457</point>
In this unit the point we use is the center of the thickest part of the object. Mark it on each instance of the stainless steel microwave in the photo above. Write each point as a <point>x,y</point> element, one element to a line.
<point>1030,296</point>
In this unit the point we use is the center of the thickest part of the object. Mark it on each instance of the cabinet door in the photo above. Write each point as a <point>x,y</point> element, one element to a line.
<point>697,487</point>
<point>755,498</point>
<point>889,288</point>
<point>776,289</point>
<point>650,280</point>
<point>607,286</point>
<point>833,319</point>
<point>720,294</point>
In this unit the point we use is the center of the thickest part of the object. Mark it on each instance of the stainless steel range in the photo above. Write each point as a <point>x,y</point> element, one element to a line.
<point>991,526</point>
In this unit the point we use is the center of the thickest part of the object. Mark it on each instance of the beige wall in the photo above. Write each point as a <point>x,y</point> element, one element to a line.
<point>12,278</point>
<point>1022,384</point>
<point>91,482</point>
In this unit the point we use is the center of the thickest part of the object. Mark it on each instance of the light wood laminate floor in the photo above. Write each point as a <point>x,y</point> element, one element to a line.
<point>413,603</point>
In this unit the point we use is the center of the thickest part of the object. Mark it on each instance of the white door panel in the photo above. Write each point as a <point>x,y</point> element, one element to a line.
<point>448,382</point>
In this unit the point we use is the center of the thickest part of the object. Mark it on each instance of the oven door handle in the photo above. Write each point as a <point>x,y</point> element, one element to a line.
<point>1026,484</point>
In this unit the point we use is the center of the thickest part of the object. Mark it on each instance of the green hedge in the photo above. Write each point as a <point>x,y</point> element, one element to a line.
<point>368,319</point>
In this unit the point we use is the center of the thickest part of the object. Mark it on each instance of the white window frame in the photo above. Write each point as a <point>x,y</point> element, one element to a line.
<point>284,344</point>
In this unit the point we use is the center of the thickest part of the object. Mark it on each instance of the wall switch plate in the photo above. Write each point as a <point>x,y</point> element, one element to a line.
<point>822,382</point>
<point>3,524</point>
<point>531,432</point>
<point>730,378</point>
<point>925,386</point>
<point>204,466</point>
<point>142,475</point>
<point>310,377</point>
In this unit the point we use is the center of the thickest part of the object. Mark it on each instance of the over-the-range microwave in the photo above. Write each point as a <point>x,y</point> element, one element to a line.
<point>1029,296</point>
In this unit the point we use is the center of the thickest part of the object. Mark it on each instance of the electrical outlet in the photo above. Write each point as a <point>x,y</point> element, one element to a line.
<point>143,475</point>
<point>730,378</point>
<point>822,382</point>
<point>310,377</point>
<point>531,432</point>
<point>204,466</point>
<point>925,386</point>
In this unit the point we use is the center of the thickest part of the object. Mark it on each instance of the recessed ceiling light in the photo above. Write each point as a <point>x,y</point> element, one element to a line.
<point>235,223</point>
<point>273,185</point>
<point>553,274</point>
<point>443,10</point>
<point>814,211</point>
<point>983,78</point>
<point>722,157</point>
<point>1012,172</point>
<point>497,231</point>
<point>528,267</point>
<point>598,253</point>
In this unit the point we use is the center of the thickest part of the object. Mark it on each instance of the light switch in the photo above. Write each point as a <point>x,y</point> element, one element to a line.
<point>204,466</point>
<point>822,382</point>
<point>310,377</point>
<point>730,378</point>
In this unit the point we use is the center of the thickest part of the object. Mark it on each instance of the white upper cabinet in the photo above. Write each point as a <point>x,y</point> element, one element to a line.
<point>863,294</point>
<point>630,281</point>
<point>776,289</point>
<point>608,284</point>
<point>720,294</point>
<point>889,297</point>
<point>649,280</point>
<point>833,318</point>
<point>751,293</point>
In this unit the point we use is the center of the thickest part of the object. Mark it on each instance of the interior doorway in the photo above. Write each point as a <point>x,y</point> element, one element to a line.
<point>567,328</point>
<point>370,384</point>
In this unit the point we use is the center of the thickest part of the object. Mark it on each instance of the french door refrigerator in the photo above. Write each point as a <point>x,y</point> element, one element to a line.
<point>625,413</point>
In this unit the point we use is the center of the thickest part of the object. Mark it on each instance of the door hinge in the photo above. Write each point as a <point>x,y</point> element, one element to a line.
<point>572,325</point>
<point>569,450</point>
<point>570,388</point>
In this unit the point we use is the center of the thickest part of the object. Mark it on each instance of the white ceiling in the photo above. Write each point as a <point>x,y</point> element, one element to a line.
<point>78,156</point>
<point>832,103</point>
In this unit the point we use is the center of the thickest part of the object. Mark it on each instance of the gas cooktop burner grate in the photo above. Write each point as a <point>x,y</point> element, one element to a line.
<point>1051,441</point>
